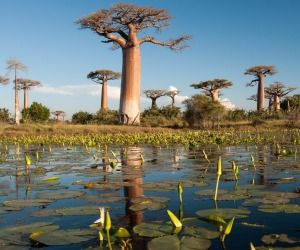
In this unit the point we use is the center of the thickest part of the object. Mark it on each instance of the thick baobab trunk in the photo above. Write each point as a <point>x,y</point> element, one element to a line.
<point>277,103</point>
<point>260,93</point>
<point>17,106</point>
<point>130,86</point>
<point>270,106</point>
<point>25,98</point>
<point>104,96</point>
<point>215,95</point>
<point>153,104</point>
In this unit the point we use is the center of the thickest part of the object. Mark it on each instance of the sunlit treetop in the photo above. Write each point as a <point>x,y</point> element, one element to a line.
<point>27,83</point>
<point>261,70</point>
<point>211,85</point>
<point>99,76</point>
<point>122,22</point>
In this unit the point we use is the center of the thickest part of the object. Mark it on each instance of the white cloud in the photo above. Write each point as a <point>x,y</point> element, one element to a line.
<point>113,92</point>
<point>227,103</point>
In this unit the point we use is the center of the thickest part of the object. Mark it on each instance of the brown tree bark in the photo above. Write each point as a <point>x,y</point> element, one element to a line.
<point>25,90</point>
<point>215,95</point>
<point>104,96</point>
<point>17,104</point>
<point>277,102</point>
<point>130,86</point>
<point>261,93</point>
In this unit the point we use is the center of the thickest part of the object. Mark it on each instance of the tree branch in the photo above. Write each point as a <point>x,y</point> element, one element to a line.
<point>174,44</point>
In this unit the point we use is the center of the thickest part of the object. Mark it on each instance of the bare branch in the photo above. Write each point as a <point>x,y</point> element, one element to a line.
<point>174,44</point>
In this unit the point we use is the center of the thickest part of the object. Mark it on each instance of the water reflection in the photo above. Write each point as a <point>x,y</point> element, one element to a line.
<point>133,176</point>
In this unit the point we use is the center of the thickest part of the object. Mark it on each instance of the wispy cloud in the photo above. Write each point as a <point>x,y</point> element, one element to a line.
<point>113,92</point>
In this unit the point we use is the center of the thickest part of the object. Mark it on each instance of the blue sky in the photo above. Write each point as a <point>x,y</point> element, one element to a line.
<point>227,37</point>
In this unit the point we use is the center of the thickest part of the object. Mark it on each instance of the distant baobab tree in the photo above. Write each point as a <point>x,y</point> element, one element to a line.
<point>172,94</point>
<point>4,80</point>
<point>267,96</point>
<point>59,114</point>
<point>14,65</point>
<point>212,88</point>
<point>154,94</point>
<point>278,90</point>
<point>25,85</point>
<point>120,25</point>
<point>101,77</point>
<point>260,72</point>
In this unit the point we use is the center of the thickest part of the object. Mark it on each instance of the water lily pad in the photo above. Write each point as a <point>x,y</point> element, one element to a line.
<point>169,242</point>
<point>192,243</point>
<point>82,210</point>
<point>210,192</point>
<point>225,213</point>
<point>273,238</point>
<point>280,208</point>
<point>65,194</point>
<point>152,229</point>
<point>150,203</point>
<point>27,203</point>
<point>200,232</point>
<point>65,237</point>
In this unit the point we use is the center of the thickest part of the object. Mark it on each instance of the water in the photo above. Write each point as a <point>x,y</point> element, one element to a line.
<point>88,171</point>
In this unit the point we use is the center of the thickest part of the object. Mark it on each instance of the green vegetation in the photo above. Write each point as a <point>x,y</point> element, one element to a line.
<point>37,112</point>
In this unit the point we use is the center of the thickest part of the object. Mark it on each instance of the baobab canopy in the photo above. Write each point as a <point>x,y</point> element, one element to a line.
<point>212,88</point>
<point>120,26</point>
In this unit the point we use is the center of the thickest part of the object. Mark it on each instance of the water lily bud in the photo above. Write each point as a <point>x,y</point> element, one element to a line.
<point>219,166</point>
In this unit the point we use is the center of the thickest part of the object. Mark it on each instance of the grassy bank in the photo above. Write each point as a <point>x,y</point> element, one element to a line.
<point>93,135</point>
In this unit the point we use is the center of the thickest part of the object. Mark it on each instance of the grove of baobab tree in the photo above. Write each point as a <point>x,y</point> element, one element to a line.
<point>25,85</point>
<point>260,72</point>
<point>101,77</point>
<point>212,88</point>
<point>120,26</point>
<point>154,94</point>
<point>277,90</point>
<point>14,65</point>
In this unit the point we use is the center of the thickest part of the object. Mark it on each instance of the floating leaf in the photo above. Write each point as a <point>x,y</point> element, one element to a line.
<point>273,238</point>
<point>152,229</point>
<point>225,213</point>
<point>169,242</point>
<point>191,243</point>
<point>27,203</point>
<point>53,178</point>
<point>277,208</point>
<point>65,194</point>
<point>200,232</point>
<point>65,237</point>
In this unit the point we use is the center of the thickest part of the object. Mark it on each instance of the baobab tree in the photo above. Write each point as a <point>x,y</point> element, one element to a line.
<point>267,96</point>
<point>59,114</point>
<point>120,25</point>
<point>25,85</point>
<point>101,77</point>
<point>14,65</point>
<point>260,72</point>
<point>4,80</point>
<point>212,88</point>
<point>172,94</point>
<point>278,90</point>
<point>154,94</point>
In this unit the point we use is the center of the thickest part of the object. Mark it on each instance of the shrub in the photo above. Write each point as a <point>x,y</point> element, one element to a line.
<point>37,112</point>
<point>201,111</point>
<point>4,115</point>
<point>106,117</point>
<point>82,117</point>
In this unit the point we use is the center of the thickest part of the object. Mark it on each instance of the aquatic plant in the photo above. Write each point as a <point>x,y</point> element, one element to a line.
<point>219,173</point>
